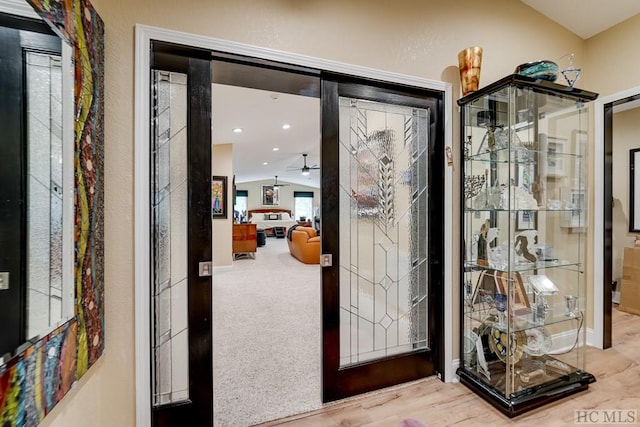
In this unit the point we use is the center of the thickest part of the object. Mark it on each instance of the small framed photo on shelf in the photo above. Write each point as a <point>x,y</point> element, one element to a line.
<point>526,220</point>
<point>218,197</point>
<point>556,157</point>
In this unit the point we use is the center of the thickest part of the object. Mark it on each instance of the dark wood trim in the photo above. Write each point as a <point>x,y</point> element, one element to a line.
<point>330,179</point>
<point>13,193</point>
<point>607,238</point>
<point>633,227</point>
<point>200,296</point>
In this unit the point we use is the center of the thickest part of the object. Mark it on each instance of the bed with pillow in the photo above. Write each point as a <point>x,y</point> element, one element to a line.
<point>267,219</point>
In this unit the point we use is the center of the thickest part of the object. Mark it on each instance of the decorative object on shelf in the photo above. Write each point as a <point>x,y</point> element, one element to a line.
<point>571,74</point>
<point>500,343</point>
<point>473,185</point>
<point>519,301</point>
<point>522,242</point>
<point>522,248</point>
<point>499,256</point>
<point>526,220</point>
<point>537,190</point>
<point>538,341</point>
<point>467,148</point>
<point>485,289</point>
<point>470,61</point>
<point>542,285</point>
<point>521,199</point>
<point>571,305</point>
<point>501,306</point>
<point>540,309</point>
<point>543,69</point>
<point>545,252</point>
<point>528,377</point>
<point>469,349</point>
<point>556,159</point>
<point>483,244</point>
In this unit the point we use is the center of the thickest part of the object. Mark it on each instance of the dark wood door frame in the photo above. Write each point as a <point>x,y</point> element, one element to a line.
<point>607,238</point>
<point>607,215</point>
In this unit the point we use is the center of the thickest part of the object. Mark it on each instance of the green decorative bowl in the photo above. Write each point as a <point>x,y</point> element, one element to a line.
<point>545,70</point>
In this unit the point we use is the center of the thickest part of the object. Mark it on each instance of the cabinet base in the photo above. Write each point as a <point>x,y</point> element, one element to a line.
<point>524,402</point>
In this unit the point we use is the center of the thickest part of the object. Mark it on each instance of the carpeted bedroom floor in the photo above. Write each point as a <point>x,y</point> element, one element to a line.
<point>267,337</point>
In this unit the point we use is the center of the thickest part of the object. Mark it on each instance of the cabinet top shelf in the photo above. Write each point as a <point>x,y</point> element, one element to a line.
<point>537,85</point>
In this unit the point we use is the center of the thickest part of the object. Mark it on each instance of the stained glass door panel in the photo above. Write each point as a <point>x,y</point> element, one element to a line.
<point>383,232</point>
<point>382,204</point>
<point>180,196</point>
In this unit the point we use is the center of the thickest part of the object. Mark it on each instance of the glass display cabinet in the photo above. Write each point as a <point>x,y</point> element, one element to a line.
<point>524,242</point>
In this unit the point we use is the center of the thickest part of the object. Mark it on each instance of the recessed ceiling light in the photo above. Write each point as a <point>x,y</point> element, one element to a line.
<point>265,163</point>
<point>275,148</point>
<point>237,130</point>
<point>286,126</point>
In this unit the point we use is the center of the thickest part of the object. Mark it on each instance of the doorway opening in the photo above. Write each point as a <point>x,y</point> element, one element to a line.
<point>607,210</point>
<point>266,301</point>
<point>441,177</point>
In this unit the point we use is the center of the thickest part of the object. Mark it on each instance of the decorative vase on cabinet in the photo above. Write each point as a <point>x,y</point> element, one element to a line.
<point>525,144</point>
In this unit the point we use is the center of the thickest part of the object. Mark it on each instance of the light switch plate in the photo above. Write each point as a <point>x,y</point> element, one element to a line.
<point>326,260</point>
<point>4,281</point>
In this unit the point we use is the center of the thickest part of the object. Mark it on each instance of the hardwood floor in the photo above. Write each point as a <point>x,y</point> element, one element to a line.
<point>435,403</point>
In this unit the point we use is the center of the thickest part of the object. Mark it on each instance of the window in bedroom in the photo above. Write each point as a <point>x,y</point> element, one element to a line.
<point>303,205</point>
<point>240,206</point>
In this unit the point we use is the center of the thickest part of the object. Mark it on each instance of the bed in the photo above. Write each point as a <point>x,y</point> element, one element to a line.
<point>269,218</point>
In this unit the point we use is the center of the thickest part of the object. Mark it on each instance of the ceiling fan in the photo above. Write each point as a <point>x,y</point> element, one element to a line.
<point>276,185</point>
<point>306,169</point>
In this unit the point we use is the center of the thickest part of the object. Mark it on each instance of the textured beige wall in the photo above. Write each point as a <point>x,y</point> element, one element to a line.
<point>222,165</point>
<point>612,59</point>
<point>412,37</point>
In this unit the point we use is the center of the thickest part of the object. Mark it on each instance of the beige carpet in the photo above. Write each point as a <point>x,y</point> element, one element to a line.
<point>267,338</point>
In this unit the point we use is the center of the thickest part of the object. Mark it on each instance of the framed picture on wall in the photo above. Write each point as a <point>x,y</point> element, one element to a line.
<point>556,157</point>
<point>634,190</point>
<point>219,197</point>
<point>526,220</point>
<point>270,195</point>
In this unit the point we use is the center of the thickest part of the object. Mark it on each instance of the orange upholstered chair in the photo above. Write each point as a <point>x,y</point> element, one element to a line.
<point>304,244</point>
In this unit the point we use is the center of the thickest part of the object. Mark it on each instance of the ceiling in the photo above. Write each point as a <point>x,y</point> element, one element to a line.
<point>586,18</point>
<point>261,113</point>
